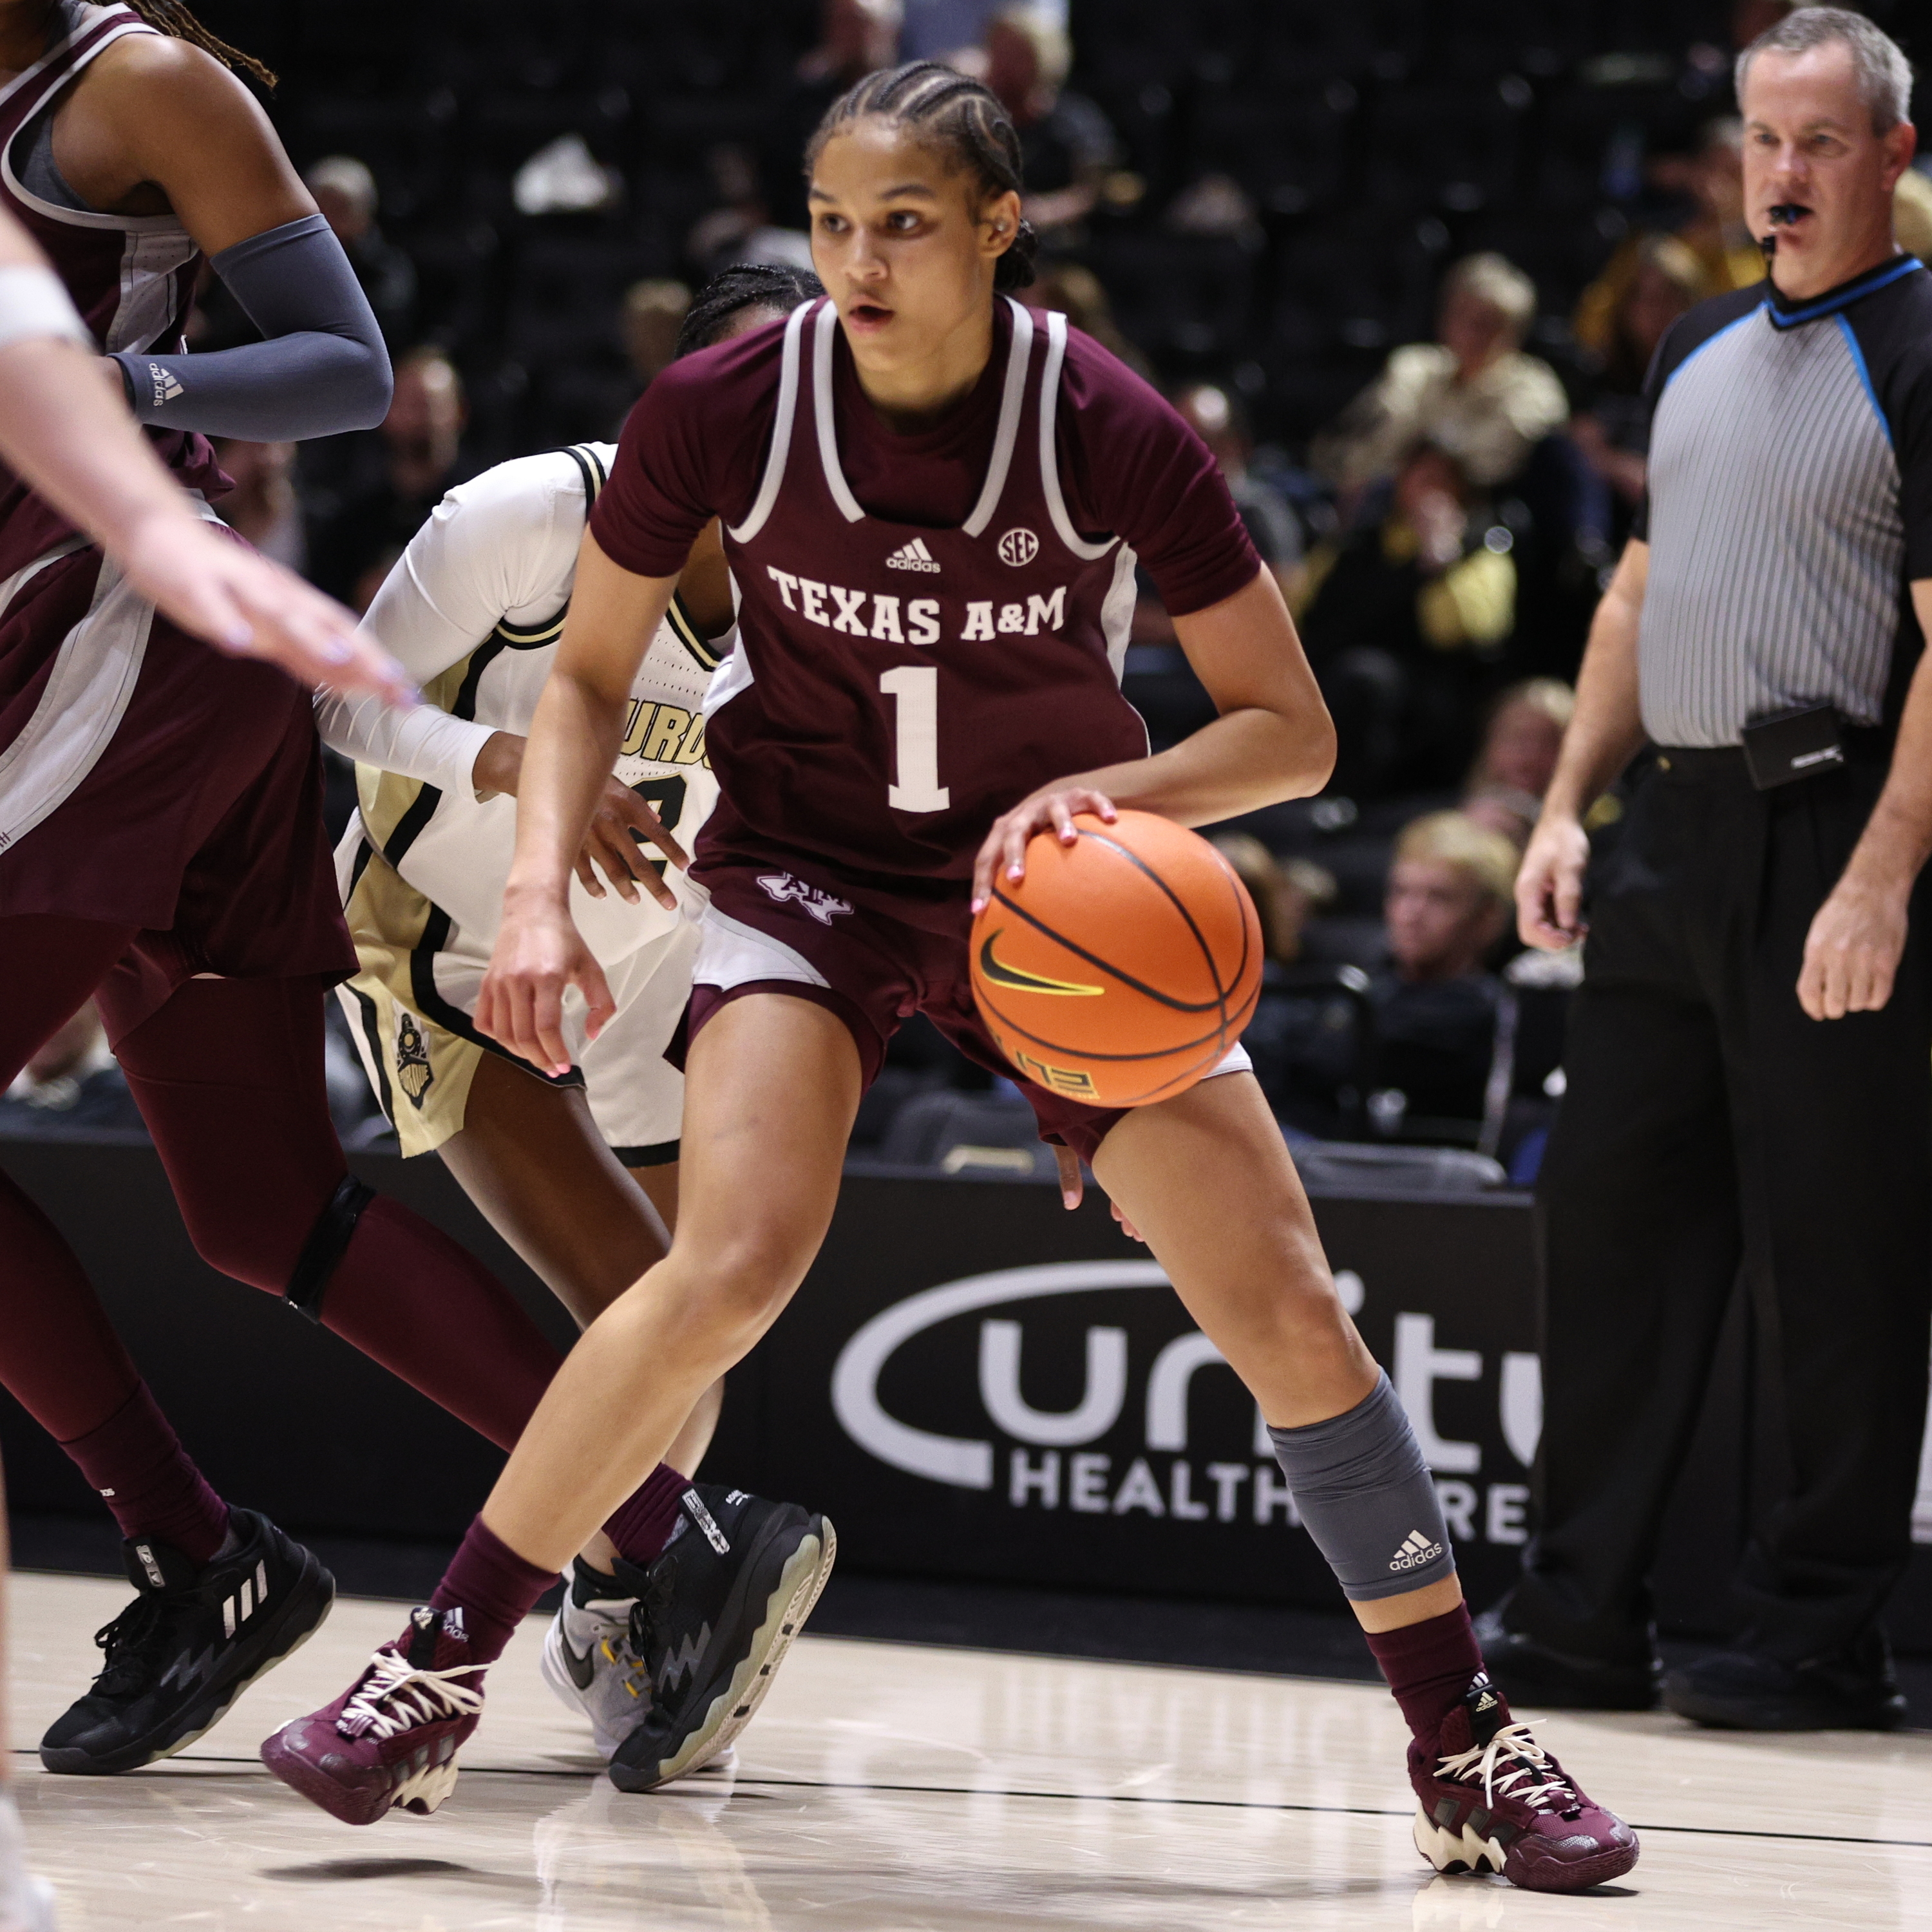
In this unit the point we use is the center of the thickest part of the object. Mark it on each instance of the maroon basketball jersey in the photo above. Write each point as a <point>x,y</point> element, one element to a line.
<point>896,687</point>
<point>131,277</point>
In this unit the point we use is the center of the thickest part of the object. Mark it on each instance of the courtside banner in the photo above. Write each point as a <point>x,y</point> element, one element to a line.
<point>973,1382</point>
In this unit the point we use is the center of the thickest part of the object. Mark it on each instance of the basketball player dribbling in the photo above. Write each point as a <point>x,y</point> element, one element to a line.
<point>162,850</point>
<point>472,611</point>
<point>61,429</point>
<point>932,499</point>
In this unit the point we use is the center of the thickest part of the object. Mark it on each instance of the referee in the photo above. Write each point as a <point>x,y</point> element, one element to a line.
<point>1749,1079</point>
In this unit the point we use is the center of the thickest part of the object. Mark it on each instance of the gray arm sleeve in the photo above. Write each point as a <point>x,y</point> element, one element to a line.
<point>321,370</point>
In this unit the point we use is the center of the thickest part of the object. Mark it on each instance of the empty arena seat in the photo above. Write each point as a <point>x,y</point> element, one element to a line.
<point>1347,1167</point>
<point>968,1133</point>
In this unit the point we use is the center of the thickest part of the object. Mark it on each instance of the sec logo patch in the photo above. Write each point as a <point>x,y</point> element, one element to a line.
<point>1018,547</point>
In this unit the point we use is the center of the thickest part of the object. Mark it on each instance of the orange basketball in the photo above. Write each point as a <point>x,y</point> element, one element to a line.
<point>1122,968</point>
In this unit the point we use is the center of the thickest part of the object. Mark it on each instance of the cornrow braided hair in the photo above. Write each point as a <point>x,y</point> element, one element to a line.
<point>959,117</point>
<point>742,286</point>
<point>171,18</point>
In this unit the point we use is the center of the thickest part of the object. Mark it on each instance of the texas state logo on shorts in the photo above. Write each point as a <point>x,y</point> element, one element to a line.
<point>784,888</point>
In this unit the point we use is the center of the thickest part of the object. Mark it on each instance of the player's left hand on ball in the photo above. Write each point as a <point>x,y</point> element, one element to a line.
<point>1853,951</point>
<point>247,606</point>
<point>1004,849</point>
<point>611,841</point>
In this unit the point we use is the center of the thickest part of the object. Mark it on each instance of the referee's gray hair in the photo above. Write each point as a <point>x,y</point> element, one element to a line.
<point>1884,74</point>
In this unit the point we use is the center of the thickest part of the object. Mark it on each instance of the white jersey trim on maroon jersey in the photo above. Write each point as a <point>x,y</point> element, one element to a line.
<point>822,344</point>
<point>155,245</point>
<point>76,218</point>
<point>1005,435</point>
<point>1117,611</point>
<point>1008,434</point>
<point>93,678</point>
<point>1049,459</point>
<point>773,479</point>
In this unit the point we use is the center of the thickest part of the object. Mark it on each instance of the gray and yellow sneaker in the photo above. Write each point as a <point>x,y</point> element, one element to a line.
<point>713,1618</point>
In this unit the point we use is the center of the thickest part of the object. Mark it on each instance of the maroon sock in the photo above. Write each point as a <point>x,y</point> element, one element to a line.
<point>641,1525</point>
<point>137,1462</point>
<point>493,1587</point>
<point>1429,1666</point>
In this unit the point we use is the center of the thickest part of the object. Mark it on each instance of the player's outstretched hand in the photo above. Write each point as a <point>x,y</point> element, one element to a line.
<point>538,955</point>
<point>1050,809</point>
<point>1549,885</point>
<point>213,585</point>
<point>612,843</point>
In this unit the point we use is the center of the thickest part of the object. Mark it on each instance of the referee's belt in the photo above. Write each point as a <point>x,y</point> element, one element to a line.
<point>1865,744</point>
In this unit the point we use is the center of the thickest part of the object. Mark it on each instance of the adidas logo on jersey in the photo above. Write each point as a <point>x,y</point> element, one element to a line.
<point>914,556</point>
<point>1417,1551</point>
<point>167,387</point>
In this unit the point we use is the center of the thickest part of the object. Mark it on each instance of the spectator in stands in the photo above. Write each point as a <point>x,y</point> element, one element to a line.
<point>1218,418</point>
<point>1287,893</point>
<point>1447,905</point>
<point>1520,747</point>
<point>1665,279</point>
<point>420,443</point>
<point>263,506</point>
<point>345,193</point>
<point>1406,621</point>
<point>1067,147</point>
<point>1473,393</point>
<point>654,311</point>
<point>1524,737</point>
<point>944,30</point>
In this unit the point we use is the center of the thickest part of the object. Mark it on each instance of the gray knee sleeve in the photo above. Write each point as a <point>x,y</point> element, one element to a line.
<point>1364,1495</point>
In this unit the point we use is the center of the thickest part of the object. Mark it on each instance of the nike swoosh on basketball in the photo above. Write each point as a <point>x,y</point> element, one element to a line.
<point>1003,975</point>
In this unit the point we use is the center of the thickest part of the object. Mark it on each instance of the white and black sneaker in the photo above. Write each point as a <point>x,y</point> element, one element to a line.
<point>589,1663</point>
<point>189,1645</point>
<point>716,1614</point>
<point>587,1657</point>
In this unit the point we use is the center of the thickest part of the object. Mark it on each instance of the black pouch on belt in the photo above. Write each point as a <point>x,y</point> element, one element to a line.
<point>1783,746</point>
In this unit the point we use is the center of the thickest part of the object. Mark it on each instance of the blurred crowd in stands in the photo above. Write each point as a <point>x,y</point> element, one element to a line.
<point>1403,265</point>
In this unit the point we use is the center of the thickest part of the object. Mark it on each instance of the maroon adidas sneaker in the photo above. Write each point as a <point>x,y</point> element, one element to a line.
<point>1487,1794</point>
<point>392,1738</point>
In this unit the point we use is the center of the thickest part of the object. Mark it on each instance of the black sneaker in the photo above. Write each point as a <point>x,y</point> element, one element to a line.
<point>718,1613</point>
<point>1533,1675</point>
<point>189,1645</point>
<point>1738,1690</point>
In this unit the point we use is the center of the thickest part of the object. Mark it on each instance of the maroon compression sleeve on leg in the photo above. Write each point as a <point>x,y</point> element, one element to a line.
<point>229,1074</point>
<point>59,1356</point>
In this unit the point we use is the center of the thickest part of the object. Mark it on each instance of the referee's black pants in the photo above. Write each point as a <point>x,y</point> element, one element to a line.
<point>1708,1122</point>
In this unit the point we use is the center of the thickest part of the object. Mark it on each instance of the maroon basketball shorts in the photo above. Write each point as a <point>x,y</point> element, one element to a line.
<point>145,781</point>
<point>789,927</point>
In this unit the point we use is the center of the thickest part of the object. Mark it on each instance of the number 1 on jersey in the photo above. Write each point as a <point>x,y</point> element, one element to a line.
<point>914,691</point>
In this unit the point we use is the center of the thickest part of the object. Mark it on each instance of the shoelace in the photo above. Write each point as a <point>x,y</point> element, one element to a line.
<point>1532,1777</point>
<point>133,1643</point>
<point>648,1613</point>
<point>396,1696</point>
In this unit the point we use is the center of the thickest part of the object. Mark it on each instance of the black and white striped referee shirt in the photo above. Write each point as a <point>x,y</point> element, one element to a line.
<point>1790,504</point>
